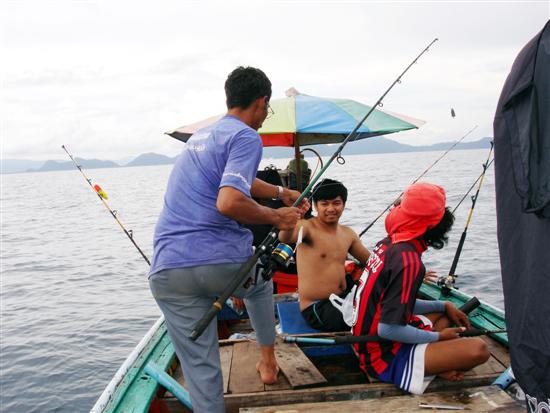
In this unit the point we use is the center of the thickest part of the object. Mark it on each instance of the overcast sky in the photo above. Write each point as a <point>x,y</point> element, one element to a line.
<point>108,78</point>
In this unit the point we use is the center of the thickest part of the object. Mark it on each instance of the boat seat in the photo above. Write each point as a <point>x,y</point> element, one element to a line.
<point>291,319</point>
<point>292,322</point>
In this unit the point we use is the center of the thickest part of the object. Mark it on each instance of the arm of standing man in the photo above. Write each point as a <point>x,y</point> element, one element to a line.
<point>234,204</point>
<point>238,183</point>
<point>261,189</point>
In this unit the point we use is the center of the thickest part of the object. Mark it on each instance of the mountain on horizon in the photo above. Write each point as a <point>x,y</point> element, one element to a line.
<point>13,166</point>
<point>379,144</point>
<point>151,158</point>
<point>66,165</point>
<point>376,145</point>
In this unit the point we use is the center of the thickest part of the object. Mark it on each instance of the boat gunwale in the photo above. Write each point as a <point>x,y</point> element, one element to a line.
<point>114,386</point>
<point>429,290</point>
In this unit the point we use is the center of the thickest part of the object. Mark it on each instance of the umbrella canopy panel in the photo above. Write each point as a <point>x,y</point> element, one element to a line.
<point>315,120</point>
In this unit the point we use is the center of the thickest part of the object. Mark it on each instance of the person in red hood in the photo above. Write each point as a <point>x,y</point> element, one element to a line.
<point>416,340</point>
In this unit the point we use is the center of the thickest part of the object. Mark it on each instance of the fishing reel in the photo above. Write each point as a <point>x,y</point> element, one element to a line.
<point>281,257</point>
<point>447,284</point>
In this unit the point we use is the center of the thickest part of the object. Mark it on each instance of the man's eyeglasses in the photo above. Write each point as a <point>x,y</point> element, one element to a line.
<point>270,111</point>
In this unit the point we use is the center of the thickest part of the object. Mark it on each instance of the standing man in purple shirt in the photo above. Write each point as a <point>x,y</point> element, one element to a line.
<point>200,241</point>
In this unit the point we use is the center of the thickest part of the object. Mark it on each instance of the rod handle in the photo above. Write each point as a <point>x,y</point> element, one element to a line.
<point>348,339</point>
<point>239,279</point>
<point>469,305</point>
<point>357,339</point>
<point>205,320</point>
<point>473,332</point>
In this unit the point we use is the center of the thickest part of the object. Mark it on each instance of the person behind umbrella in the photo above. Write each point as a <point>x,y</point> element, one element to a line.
<point>200,241</point>
<point>303,165</point>
<point>416,341</point>
<point>305,172</point>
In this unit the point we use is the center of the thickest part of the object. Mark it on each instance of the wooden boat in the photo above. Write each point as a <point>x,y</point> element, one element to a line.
<point>311,379</point>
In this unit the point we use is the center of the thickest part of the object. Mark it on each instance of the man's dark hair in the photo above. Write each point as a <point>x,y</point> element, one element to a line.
<point>329,189</point>
<point>436,237</point>
<point>244,85</point>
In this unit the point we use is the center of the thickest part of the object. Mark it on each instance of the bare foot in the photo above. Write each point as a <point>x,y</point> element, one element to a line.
<point>268,373</point>
<point>452,375</point>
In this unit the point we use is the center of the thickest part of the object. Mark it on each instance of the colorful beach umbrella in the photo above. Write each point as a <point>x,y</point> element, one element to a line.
<point>301,120</point>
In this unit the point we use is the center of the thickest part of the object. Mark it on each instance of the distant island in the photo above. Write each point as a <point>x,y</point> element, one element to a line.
<point>66,165</point>
<point>365,146</point>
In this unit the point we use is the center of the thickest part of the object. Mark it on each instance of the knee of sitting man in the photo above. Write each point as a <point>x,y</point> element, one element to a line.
<point>480,351</point>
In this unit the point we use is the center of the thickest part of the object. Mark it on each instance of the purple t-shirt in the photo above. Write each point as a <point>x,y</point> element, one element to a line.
<point>190,230</point>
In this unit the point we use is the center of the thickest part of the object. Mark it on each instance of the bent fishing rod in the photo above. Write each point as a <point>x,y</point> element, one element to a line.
<point>416,180</point>
<point>268,243</point>
<point>447,283</point>
<point>102,196</point>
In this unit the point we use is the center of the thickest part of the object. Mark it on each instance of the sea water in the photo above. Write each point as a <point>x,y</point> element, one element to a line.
<point>74,292</point>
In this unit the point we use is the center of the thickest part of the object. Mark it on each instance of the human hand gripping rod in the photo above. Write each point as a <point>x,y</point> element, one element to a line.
<point>271,239</point>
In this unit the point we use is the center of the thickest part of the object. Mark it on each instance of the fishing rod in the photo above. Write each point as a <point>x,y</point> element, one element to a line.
<point>347,339</point>
<point>475,332</point>
<point>471,187</point>
<point>102,197</point>
<point>416,180</point>
<point>350,339</point>
<point>447,283</point>
<point>267,244</point>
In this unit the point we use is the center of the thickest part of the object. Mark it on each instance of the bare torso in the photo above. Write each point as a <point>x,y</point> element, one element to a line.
<point>320,258</point>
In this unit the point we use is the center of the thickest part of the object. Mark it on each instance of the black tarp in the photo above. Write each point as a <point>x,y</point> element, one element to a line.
<point>522,180</point>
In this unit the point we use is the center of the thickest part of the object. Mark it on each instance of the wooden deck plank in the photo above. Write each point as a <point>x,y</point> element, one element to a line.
<point>339,369</point>
<point>340,393</point>
<point>281,384</point>
<point>178,375</point>
<point>491,366</point>
<point>226,357</point>
<point>244,377</point>
<point>297,368</point>
<point>484,399</point>
<point>330,393</point>
<point>226,354</point>
<point>498,351</point>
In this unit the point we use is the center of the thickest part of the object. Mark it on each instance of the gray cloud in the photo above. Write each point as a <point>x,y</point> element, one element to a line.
<point>110,82</point>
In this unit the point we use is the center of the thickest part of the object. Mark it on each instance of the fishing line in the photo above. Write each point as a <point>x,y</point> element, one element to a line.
<point>447,283</point>
<point>416,180</point>
<point>319,159</point>
<point>102,197</point>
<point>267,244</point>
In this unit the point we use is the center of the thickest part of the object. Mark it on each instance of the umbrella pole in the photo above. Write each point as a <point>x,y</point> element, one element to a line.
<point>298,164</point>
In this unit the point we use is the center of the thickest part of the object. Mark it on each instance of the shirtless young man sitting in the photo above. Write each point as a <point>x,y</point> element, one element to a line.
<point>323,245</point>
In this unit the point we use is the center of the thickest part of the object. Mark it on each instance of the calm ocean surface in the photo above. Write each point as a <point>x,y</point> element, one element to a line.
<point>74,293</point>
